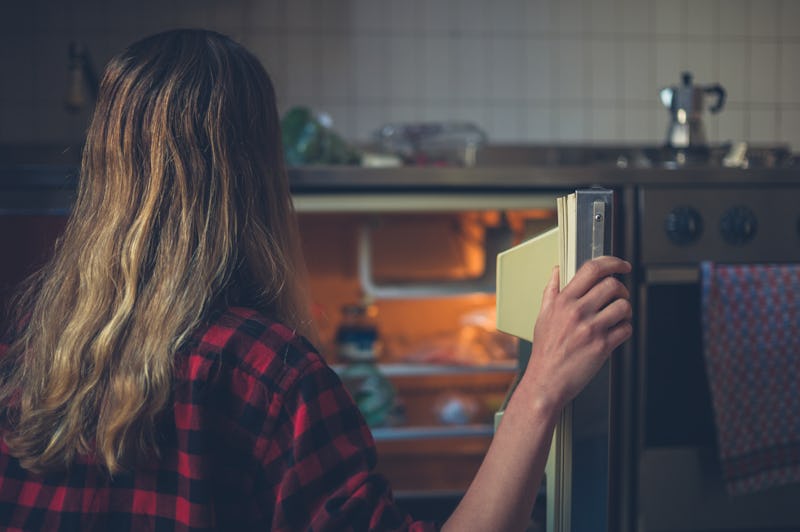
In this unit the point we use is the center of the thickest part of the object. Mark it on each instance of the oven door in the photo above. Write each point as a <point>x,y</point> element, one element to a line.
<point>679,479</point>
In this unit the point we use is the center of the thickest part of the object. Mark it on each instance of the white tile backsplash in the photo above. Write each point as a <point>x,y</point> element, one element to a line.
<point>789,125</point>
<point>701,61</point>
<point>669,62</point>
<point>635,17</point>
<point>570,70</point>
<point>701,18</point>
<point>789,21</point>
<point>638,72</point>
<point>763,19</point>
<point>505,122</point>
<point>435,17</point>
<point>734,61</point>
<point>604,124</point>
<point>403,68</point>
<point>20,16</point>
<point>370,15</point>
<point>404,16</point>
<point>539,69</point>
<point>525,70</point>
<point>302,83</point>
<point>336,69</point>
<point>604,65</point>
<point>471,16</point>
<point>763,73</point>
<point>570,123</point>
<point>50,76</point>
<point>398,112</point>
<point>371,68</point>
<point>670,18</point>
<point>436,68</point>
<point>638,126</point>
<point>18,59</point>
<point>732,125</point>
<point>271,14</point>
<point>303,15</point>
<point>470,81</point>
<point>471,112</point>
<point>734,17</point>
<point>335,15</point>
<point>506,72</point>
<point>51,15</point>
<point>193,13</point>
<point>341,115</point>
<point>539,16</point>
<point>229,17</point>
<point>435,112</point>
<point>368,119</point>
<point>762,126</point>
<point>789,73</point>
<point>538,124</point>
<point>270,48</point>
<point>570,16</point>
<point>604,17</point>
<point>95,15</point>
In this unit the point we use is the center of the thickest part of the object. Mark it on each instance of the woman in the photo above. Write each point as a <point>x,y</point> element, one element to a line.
<point>158,375</point>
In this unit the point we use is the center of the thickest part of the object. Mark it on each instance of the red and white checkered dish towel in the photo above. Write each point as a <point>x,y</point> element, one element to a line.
<point>751,336</point>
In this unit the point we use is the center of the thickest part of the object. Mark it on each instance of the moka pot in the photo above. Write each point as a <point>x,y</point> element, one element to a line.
<point>685,103</point>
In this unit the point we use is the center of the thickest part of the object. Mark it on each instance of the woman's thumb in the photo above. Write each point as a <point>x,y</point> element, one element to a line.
<point>551,290</point>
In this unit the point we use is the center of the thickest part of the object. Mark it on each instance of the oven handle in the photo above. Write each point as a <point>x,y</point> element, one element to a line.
<point>672,275</point>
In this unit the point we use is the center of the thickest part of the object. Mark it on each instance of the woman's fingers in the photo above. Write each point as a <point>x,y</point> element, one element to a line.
<point>591,272</point>
<point>608,308</point>
<point>618,334</point>
<point>614,322</point>
<point>604,292</point>
<point>550,291</point>
<point>615,312</point>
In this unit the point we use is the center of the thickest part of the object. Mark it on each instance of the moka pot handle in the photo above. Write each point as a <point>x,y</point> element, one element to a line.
<point>720,92</point>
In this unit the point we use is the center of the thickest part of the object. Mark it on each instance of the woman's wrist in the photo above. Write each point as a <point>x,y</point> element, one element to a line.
<point>538,400</point>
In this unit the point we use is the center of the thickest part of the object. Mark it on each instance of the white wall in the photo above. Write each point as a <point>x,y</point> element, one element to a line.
<point>525,70</point>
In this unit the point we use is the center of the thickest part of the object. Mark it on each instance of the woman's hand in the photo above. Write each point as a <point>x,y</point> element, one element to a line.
<point>577,329</point>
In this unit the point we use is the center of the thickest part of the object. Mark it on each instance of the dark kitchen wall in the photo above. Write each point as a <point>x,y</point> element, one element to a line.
<point>524,70</point>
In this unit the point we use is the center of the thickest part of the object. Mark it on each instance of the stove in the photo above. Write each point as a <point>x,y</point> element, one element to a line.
<point>730,224</point>
<point>675,469</point>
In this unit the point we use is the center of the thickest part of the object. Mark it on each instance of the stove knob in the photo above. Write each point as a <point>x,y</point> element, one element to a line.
<point>738,225</point>
<point>683,225</point>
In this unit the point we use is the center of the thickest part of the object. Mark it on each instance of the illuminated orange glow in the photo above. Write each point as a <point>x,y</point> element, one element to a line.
<point>426,247</point>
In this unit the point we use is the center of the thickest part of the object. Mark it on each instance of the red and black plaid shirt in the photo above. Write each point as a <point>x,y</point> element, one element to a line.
<point>262,436</point>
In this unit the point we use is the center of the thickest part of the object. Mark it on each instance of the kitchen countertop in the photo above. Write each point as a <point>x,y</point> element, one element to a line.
<point>512,178</point>
<point>45,179</point>
<point>354,178</point>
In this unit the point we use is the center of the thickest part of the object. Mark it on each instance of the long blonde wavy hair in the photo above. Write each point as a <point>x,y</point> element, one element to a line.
<point>183,204</point>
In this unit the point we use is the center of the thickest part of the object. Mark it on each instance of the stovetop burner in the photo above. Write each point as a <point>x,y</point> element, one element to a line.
<point>731,155</point>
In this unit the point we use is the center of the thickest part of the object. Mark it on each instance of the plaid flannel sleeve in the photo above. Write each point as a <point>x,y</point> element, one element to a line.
<point>329,483</point>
